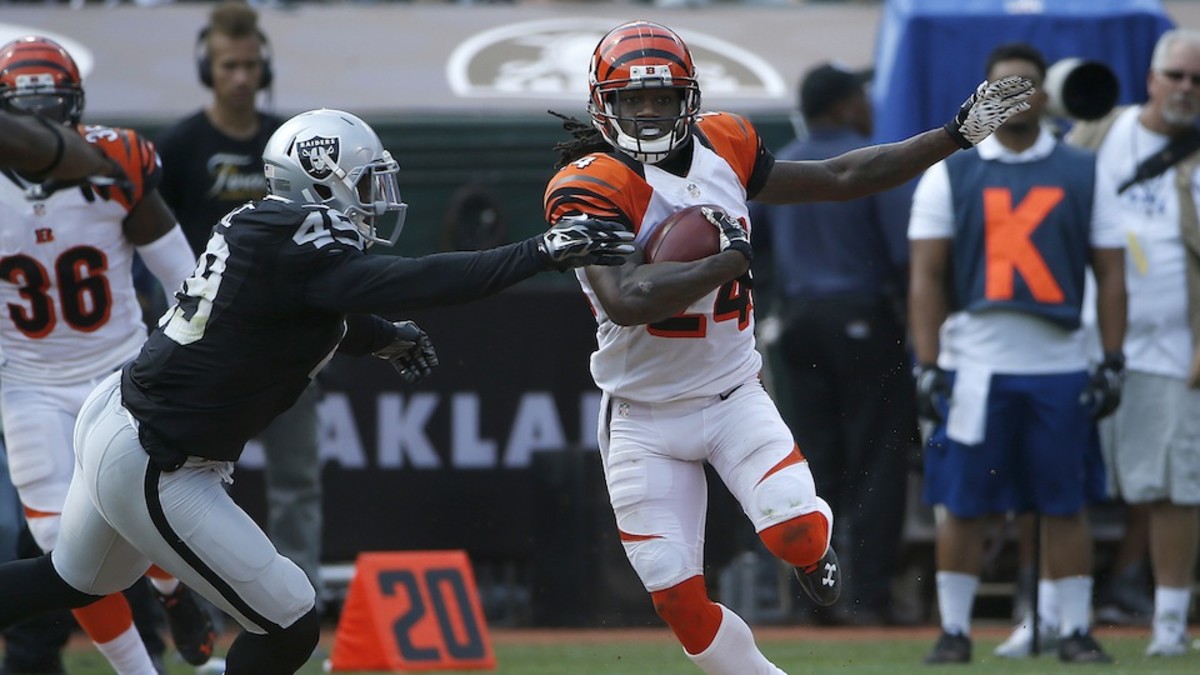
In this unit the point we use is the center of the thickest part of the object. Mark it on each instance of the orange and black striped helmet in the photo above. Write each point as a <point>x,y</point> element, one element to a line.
<point>642,55</point>
<point>38,76</point>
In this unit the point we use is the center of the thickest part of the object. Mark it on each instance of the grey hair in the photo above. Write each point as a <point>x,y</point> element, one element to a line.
<point>1168,39</point>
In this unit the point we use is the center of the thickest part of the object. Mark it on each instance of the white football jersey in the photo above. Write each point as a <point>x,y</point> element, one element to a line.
<point>68,308</point>
<point>709,348</point>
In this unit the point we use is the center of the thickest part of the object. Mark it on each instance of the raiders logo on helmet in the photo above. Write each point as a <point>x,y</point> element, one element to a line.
<point>318,155</point>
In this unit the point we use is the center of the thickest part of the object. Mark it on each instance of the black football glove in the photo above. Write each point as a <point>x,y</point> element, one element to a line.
<point>576,242</point>
<point>1103,392</point>
<point>410,352</point>
<point>988,108</point>
<point>933,391</point>
<point>732,234</point>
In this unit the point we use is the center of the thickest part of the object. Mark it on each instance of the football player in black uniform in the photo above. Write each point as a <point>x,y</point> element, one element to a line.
<point>283,283</point>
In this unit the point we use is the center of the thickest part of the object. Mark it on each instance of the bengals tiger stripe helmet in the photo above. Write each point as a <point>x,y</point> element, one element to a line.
<point>642,55</point>
<point>38,76</point>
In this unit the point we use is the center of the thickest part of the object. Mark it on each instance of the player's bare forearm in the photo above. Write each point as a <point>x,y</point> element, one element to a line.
<point>633,295</point>
<point>1111,298</point>
<point>927,308</point>
<point>37,148</point>
<point>857,173</point>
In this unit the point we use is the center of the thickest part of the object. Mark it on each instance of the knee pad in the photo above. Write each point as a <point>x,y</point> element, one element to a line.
<point>660,563</point>
<point>282,651</point>
<point>303,635</point>
<point>686,608</point>
<point>801,541</point>
<point>783,493</point>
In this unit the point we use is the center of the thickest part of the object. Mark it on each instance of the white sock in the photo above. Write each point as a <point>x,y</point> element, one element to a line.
<point>956,596</point>
<point>1171,604</point>
<point>733,651</point>
<point>127,654</point>
<point>164,586</point>
<point>1047,603</point>
<point>1074,604</point>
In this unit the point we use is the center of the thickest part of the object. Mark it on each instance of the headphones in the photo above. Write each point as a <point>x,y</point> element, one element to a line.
<point>204,62</point>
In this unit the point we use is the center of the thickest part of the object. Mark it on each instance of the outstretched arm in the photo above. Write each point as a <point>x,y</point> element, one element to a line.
<point>42,149</point>
<point>878,167</point>
<point>856,173</point>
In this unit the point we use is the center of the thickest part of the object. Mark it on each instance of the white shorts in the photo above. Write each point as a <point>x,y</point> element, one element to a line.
<point>39,422</point>
<point>653,456</point>
<point>122,513</point>
<point>1151,443</point>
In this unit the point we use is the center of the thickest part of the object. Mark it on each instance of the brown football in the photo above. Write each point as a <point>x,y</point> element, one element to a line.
<point>684,236</point>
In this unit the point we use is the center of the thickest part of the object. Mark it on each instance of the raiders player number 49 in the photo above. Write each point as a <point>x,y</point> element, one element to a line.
<point>282,285</point>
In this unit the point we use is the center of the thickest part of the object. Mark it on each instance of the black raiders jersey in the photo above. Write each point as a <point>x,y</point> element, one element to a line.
<point>265,310</point>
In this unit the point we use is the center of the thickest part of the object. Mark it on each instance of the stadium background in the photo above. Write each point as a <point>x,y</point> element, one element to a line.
<point>495,454</point>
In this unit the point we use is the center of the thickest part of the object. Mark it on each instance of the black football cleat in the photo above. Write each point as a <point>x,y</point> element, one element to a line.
<point>1081,647</point>
<point>950,648</point>
<point>822,582</point>
<point>191,627</point>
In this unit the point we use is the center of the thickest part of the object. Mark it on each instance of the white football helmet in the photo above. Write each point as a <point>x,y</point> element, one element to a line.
<point>333,158</point>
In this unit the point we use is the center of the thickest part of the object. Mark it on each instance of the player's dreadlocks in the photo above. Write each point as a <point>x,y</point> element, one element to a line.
<point>585,139</point>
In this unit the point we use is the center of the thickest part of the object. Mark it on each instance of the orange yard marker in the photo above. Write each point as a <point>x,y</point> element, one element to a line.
<point>411,611</point>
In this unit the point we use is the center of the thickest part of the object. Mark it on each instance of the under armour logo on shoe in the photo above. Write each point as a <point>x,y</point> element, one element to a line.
<point>830,572</point>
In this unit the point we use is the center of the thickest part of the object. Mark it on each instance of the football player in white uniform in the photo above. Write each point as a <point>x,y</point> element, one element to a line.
<point>73,316</point>
<point>676,361</point>
<point>283,284</point>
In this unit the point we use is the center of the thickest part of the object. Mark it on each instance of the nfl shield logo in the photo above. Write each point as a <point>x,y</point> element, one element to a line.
<point>313,153</point>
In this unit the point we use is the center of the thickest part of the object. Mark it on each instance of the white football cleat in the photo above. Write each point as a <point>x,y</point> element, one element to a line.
<point>1020,643</point>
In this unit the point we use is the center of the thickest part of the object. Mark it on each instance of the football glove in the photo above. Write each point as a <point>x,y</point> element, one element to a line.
<point>580,241</point>
<point>732,234</point>
<point>1103,392</point>
<point>410,352</point>
<point>988,108</point>
<point>933,392</point>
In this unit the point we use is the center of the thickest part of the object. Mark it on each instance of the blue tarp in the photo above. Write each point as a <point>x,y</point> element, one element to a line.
<point>930,54</point>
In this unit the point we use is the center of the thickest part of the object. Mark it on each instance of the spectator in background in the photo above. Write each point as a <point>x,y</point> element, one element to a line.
<point>1001,239</point>
<point>838,276</point>
<point>212,163</point>
<point>1148,155</point>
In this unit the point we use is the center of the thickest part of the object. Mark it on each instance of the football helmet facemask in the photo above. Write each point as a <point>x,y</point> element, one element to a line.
<point>642,55</point>
<point>38,76</point>
<point>333,158</point>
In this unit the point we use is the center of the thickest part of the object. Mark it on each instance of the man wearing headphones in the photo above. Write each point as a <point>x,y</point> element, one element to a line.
<point>212,163</point>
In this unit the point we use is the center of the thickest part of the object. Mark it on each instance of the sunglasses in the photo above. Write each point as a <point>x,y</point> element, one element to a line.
<point>1177,76</point>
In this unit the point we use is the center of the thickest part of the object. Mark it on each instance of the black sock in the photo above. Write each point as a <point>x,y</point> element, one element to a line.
<point>31,587</point>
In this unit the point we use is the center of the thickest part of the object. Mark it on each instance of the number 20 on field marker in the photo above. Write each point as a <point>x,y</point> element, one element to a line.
<point>412,610</point>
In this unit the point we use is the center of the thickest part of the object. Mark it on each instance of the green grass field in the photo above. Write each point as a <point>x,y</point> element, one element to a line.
<point>806,652</point>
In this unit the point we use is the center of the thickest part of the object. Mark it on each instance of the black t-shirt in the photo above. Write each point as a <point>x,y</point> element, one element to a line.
<point>206,174</point>
<point>266,310</point>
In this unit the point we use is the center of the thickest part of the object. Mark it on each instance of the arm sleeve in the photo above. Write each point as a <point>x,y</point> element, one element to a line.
<point>366,334</point>
<point>390,285</point>
<point>169,258</point>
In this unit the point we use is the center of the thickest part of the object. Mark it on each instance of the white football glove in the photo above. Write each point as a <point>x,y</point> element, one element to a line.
<point>988,108</point>
<point>410,352</point>
<point>576,242</point>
